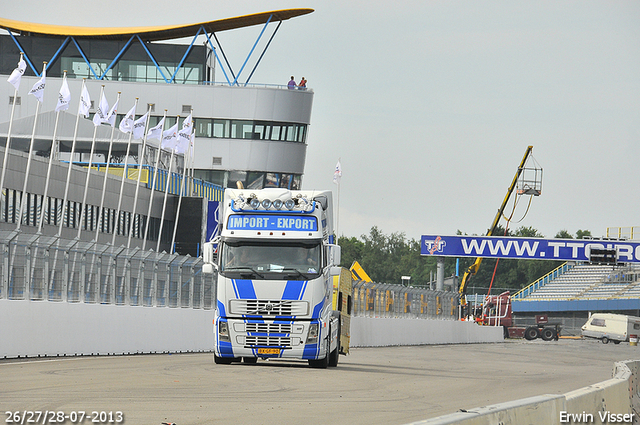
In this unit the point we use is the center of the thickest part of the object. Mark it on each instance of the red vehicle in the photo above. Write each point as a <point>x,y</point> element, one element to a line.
<point>496,311</point>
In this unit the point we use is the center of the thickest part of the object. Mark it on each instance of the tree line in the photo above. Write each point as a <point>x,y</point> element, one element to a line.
<point>386,258</point>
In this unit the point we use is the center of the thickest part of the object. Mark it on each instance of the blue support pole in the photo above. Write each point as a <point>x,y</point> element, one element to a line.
<point>218,59</point>
<point>26,57</point>
<point>152,59</point>
<point>60,49</point>
<point>225,58</point>
<point>263,52</point>
<point>173,77</point>
<point>85,58</point>
<point>252,49</point>
<point>113,63</point>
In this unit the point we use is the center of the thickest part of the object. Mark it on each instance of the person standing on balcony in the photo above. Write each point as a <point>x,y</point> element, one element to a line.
<point>292,83</point>
<point>302,85</point>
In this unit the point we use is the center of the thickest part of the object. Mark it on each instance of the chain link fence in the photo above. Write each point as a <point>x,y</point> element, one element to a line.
<point>397,301</point>
<point>45,268</point>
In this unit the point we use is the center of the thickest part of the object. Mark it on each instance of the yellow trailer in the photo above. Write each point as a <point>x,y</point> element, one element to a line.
<point>342,305</point>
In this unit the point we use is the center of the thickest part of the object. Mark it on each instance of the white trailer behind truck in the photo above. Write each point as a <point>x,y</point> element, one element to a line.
<point>275,261</point>
<point>611,327</point>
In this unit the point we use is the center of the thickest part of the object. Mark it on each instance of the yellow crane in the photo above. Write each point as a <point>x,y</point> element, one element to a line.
<point>527,186</point>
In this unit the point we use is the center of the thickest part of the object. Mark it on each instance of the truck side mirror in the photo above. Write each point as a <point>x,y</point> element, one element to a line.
<point>333,255</point>
<point>208,256</point>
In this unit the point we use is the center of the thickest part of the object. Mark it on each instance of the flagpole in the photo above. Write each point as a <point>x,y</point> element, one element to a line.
<point>73,148</point>
<point>83,207</point>
<point>175,225</point>
<point>153,186</point>
<point>164,202</point>
<point>23,197</point>
<point>140,156</point>
<point>6,146</point>
<point>106,174</point>
<point>51,154</point>
<point>124,172</point>
<point>166,193</point>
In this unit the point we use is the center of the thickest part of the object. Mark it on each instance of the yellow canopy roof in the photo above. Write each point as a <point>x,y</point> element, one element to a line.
<point>166,32</point>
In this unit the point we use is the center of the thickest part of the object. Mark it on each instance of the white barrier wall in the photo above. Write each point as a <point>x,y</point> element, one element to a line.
<point>380,332</point>
<point>46,328</point>
<point>43,328</point>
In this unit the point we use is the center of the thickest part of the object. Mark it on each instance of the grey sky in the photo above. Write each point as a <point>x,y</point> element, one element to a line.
<point>430,105</point>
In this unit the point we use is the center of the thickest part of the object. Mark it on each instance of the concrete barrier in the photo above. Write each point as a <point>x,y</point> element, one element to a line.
<point>381,332</point>
<point>611,401</point>
<point>43,328</point>
<point>46,328</point>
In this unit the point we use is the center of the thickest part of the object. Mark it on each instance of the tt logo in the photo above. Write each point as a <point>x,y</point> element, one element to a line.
<point>435,245</point>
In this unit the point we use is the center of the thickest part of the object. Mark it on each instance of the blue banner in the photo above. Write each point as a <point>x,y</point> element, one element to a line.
<point>272,222</point>
<point>525,248</point>
<point>213,218</point>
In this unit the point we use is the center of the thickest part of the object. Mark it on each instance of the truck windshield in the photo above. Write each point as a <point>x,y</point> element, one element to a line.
<point>282,260</point>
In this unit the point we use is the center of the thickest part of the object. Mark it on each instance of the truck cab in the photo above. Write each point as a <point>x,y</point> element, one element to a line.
<point>275,264</point>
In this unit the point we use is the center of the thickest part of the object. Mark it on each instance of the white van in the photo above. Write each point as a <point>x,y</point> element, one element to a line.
<point>611,327</point>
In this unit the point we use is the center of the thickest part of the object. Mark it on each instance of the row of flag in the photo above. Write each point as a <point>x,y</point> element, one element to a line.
<point>176,140</point>
<point>172,139</point>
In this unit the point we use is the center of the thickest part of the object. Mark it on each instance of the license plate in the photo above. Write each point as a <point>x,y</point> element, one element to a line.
<point>268,351</point>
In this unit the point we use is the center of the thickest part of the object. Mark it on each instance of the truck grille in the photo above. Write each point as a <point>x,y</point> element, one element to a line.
<point>267,341</point>
<point>268,328</point>
<point>269,307</point>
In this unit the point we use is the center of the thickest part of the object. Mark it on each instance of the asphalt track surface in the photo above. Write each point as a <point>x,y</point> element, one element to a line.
<point>391,385</point>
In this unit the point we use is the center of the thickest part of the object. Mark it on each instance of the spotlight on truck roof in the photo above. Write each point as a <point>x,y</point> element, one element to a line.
<point>289,204</point>
<point>254,203</point>
<point>277,204</point>
<point>266,204</point>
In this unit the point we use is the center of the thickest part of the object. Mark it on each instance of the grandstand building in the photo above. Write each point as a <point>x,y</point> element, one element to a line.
<point>570,293</point>
<point>245,133</point>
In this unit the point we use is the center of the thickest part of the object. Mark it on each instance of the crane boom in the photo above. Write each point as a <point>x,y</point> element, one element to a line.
<point>473,268</point>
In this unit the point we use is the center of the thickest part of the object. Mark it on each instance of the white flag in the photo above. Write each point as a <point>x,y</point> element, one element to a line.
<point>188,122</point>
<point>139,125</point>
<point>38,88</point>
<point>111,116</point>
<point>64,96</point>
<point>170,137</point>
<point>184,138</point>
<point>16,75</point>
<point>156,132</point>
<point>102,111</point>
<point>126,125</point>
<point>337,174</point>
<point>85,102</point>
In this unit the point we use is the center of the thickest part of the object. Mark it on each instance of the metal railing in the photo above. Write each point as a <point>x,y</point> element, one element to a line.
<point>396,301</point>
<point>46,268</point>
<point>527,290</point>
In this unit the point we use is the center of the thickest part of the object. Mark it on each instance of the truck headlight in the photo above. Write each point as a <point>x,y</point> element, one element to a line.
<point>312,338</point>
<point>223,331</point>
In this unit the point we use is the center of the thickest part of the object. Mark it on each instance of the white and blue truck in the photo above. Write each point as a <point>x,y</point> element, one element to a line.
<point>275,262</point>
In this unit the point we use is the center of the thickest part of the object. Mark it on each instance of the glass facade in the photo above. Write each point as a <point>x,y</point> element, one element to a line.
<point>133,65</point>
<point>254,130</point>
<point>250,179</point>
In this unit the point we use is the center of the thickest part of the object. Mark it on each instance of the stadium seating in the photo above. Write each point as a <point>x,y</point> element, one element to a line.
<point>585,281</point>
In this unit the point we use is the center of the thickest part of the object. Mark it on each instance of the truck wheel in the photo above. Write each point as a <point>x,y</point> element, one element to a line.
<point>548,334</point>
<point>605,340</point>
<point>531,333</point>
<point>222,360</point>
